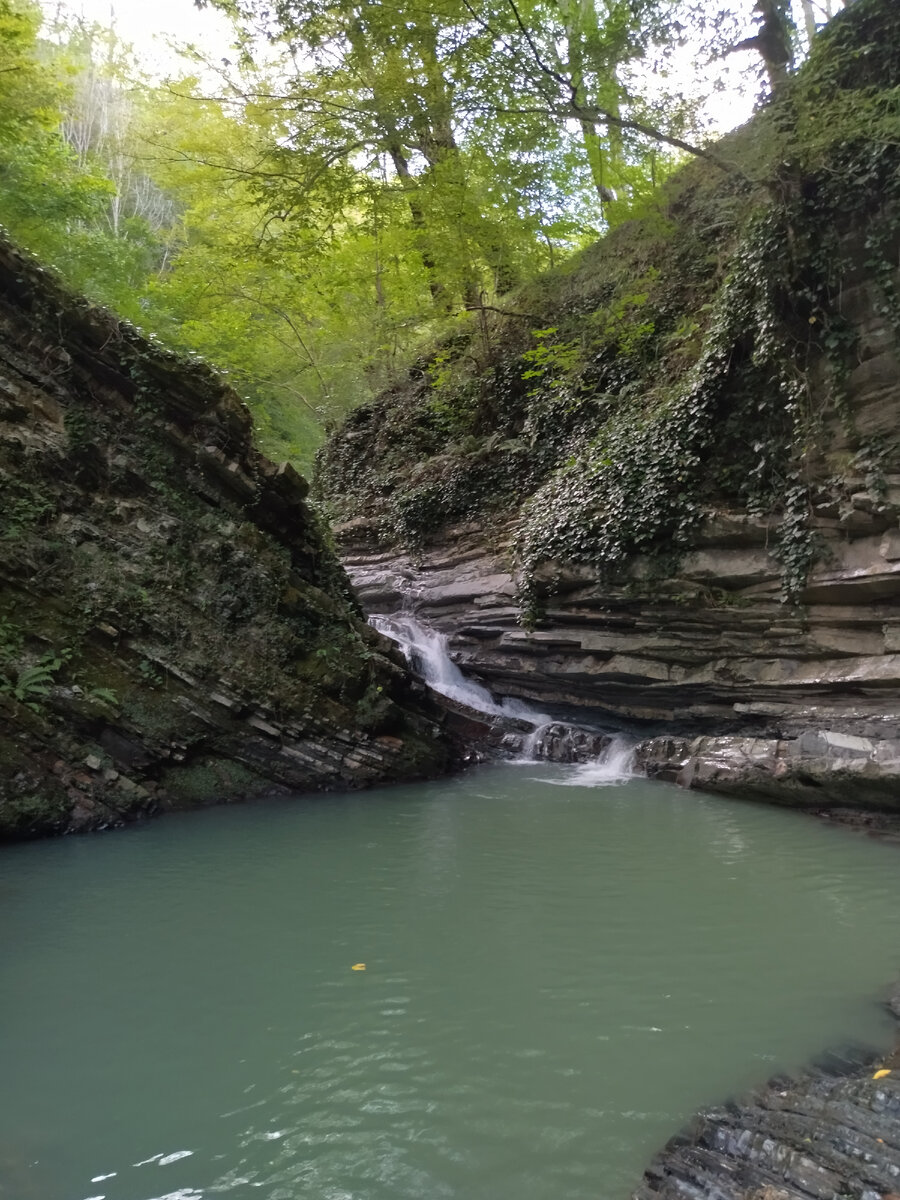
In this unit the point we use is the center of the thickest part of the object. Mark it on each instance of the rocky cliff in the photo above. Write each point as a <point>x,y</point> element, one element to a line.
<point>174,628</point>
<point>795,703</point>
<point>664,488</point>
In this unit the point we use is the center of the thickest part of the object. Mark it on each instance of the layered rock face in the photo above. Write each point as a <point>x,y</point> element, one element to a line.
<point>713,649</point>
<point>825,1136</point>
<point>681,453</point>
<point>173,628</point>
<point>835,1132</point>
<point>808,694</point>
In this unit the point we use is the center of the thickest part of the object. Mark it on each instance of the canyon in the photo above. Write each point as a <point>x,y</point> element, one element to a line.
<point>672,506</point>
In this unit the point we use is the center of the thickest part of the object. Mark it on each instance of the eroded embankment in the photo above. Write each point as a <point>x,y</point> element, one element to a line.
<point>174,629</point>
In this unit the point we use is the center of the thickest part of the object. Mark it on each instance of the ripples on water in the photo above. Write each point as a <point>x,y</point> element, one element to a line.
<point>556,977</point>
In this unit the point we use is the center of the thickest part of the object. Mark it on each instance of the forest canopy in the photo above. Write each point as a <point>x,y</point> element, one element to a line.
<point>357,179</point>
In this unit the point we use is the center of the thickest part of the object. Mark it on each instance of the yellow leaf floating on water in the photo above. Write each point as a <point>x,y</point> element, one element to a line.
<point>358,967</point>
<point>881,1074</point>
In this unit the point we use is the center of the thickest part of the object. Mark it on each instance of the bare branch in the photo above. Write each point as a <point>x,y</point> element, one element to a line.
<point>588,112</point>
<point>557,76</point>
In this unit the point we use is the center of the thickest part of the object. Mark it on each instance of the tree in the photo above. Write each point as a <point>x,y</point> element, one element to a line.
<point>380,172</point>
<point>47,198</point>
<point>421,99</point>
<point>774,40</point>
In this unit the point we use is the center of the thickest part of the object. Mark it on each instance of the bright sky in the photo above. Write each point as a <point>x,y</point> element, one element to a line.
<point>150,24</point>
<point>147,24</point>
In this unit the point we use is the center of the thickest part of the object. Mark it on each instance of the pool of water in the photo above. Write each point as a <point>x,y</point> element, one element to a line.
<point>556,976</point>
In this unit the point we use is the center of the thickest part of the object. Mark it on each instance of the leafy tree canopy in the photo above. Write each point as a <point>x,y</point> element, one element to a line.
<point>359,179</point>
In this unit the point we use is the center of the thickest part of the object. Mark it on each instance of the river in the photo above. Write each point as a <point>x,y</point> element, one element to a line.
<point>557,974</point>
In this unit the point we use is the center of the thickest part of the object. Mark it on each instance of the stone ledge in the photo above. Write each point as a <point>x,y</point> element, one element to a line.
<point>823,1135</point>
<point>819,770</point>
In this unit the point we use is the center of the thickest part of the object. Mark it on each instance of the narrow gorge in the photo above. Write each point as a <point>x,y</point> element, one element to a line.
<point>626,523</point>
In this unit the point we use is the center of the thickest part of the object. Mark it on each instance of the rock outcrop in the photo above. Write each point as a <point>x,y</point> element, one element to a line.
<point>174,629</point>
<point>834,1132</point>
<point>827,1137</point>
<point>716,649</point>
<point>713,646</point>
<point>853,779</point>
<point>800,704</point>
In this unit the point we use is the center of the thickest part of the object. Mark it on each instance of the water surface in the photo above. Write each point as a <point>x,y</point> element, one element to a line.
<point>556,977</point>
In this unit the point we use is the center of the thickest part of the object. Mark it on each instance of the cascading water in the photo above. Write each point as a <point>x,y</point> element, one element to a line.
<point>615,764</point>
<point>426,652</point>
<point>598,758</point>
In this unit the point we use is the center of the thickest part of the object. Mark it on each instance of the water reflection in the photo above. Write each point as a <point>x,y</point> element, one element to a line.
<point>556,977</point>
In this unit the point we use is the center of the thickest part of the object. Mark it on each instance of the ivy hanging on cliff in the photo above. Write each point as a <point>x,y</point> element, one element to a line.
<point>700,358</point>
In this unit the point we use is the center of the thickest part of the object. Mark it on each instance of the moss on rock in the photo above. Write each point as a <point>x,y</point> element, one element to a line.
<point>174,627</point>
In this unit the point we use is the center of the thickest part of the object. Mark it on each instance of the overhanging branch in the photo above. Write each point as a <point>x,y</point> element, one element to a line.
<point>573,109</point>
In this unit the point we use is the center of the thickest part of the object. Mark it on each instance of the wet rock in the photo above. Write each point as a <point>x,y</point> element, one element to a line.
<point>821,770</point>
<point>561,743</point>
<point>726,661</point>
<point>815,1138</point>
<point>722,655</point>
<point>711,649</point>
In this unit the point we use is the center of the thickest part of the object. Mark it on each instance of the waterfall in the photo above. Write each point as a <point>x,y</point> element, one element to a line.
<point>615,764</point>
<point>598,757</point>
<point>426,652</point>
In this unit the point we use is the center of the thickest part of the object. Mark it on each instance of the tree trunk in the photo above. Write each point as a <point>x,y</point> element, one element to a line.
<point>360,43</point>
<point>419,224</point>
<point>579,19</point>
<point>775,41</point>
<point>809,20</point>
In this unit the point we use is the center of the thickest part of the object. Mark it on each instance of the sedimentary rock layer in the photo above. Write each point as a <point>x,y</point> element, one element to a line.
<point>714,651</point>
<point>713,646</point>
<point>173,628</point>
<point>723,652</point>
<point>827,1134</point>
<point>687,440</point>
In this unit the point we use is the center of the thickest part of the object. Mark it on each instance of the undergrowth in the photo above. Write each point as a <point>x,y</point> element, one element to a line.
<point>696,358</point>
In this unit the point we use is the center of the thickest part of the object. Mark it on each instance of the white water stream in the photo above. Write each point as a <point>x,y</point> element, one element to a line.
<point>426,651</point>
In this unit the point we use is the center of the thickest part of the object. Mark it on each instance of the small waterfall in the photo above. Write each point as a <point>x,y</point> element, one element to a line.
<point>426,652</point>
<point>598,757</point>
<point>614,765</point>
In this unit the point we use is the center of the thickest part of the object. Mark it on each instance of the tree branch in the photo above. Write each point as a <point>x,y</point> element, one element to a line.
<point>588,112</point>
<point>573,109</point>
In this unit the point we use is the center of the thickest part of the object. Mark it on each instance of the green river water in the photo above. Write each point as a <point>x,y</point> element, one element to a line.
<point>557,976</point>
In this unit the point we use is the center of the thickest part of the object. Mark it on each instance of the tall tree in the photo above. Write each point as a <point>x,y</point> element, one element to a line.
<point>415,95</point>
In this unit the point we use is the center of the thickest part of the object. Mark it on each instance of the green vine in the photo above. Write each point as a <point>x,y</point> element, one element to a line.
<point>640,486</point>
